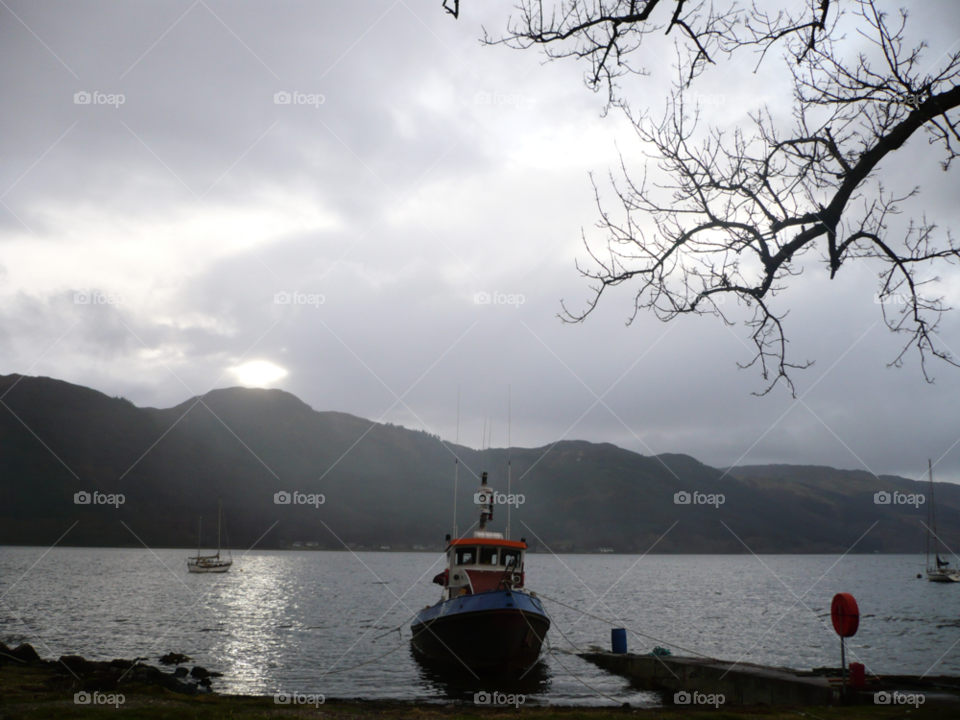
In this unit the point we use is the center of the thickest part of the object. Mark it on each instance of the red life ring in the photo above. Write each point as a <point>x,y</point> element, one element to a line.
<point>845,615</point>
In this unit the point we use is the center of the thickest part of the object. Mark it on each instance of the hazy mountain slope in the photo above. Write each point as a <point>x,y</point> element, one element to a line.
<point>387,485</point>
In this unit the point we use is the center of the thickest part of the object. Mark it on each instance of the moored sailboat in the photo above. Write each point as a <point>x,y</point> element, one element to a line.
<point>941,570</point>
<point>210,563</point>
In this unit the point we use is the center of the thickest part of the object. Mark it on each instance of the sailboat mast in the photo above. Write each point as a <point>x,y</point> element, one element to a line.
<point>509,483</point>
<point>199,535</point>
<point>930,518</point>
<point>219,513</point>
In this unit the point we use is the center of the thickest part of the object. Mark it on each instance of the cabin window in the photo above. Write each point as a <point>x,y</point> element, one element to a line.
<point>466,556</point>
<point>488,556</point>
<point>510,558</point>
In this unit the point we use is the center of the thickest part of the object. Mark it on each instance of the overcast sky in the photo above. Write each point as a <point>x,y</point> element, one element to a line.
<point>418,169</point>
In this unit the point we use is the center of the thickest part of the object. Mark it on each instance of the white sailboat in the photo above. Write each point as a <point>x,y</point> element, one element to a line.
<point>210,563</point>
<point>940,571</point>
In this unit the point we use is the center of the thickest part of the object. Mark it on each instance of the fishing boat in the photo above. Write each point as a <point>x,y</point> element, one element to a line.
<point>940,571</point>
<point>210,563</point>
<point>486,619</point>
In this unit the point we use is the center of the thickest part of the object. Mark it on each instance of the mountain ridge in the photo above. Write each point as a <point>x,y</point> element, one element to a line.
<point>389,485</point>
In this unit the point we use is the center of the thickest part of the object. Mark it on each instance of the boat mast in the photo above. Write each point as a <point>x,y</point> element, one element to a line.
<point>509,484</point>
<point>456,466</point>
<point>933,519</point>
<point>219,513</point>
<point>930,520</point>
<point>486,507</point>
<point>199,535</point>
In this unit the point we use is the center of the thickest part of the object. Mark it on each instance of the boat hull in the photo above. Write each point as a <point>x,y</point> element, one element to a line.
<point>492,631</point>
<point>948,576</point>
<point>217,566</point>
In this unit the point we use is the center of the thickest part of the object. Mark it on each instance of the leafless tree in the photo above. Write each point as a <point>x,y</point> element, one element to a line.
<point>740,209</point>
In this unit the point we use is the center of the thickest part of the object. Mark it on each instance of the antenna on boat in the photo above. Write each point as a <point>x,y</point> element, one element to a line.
<point>508,461</point>
<point>456,466</point>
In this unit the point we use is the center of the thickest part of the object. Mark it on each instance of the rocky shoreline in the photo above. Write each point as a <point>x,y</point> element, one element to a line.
<point>107,676</point>
<point>32,688</point>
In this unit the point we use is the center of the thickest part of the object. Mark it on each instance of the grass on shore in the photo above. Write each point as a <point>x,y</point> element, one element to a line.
<point>33,694</point>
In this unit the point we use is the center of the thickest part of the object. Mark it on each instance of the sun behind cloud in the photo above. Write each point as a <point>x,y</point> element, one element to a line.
<point>258,373</point>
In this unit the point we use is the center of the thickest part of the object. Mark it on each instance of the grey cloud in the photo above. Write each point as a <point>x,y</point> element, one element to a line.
<point>499,194</point>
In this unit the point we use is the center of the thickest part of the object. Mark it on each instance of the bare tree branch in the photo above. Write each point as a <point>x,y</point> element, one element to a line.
<point>738,211</point>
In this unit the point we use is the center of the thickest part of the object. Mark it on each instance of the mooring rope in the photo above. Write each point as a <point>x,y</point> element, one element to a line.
<point>379,657</point>
<point>554,655</point>
<point>399,627</point>
<point>639,634</point>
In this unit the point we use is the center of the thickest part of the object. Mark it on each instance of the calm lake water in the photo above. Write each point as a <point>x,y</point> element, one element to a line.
<point>324,622</point>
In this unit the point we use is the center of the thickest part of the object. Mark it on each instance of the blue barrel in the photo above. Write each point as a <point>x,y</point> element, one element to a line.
<point>618,638</point>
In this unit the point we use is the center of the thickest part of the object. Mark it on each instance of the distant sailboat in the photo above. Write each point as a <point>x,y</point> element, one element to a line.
<point>941,570</point>
<point>210,563</point>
